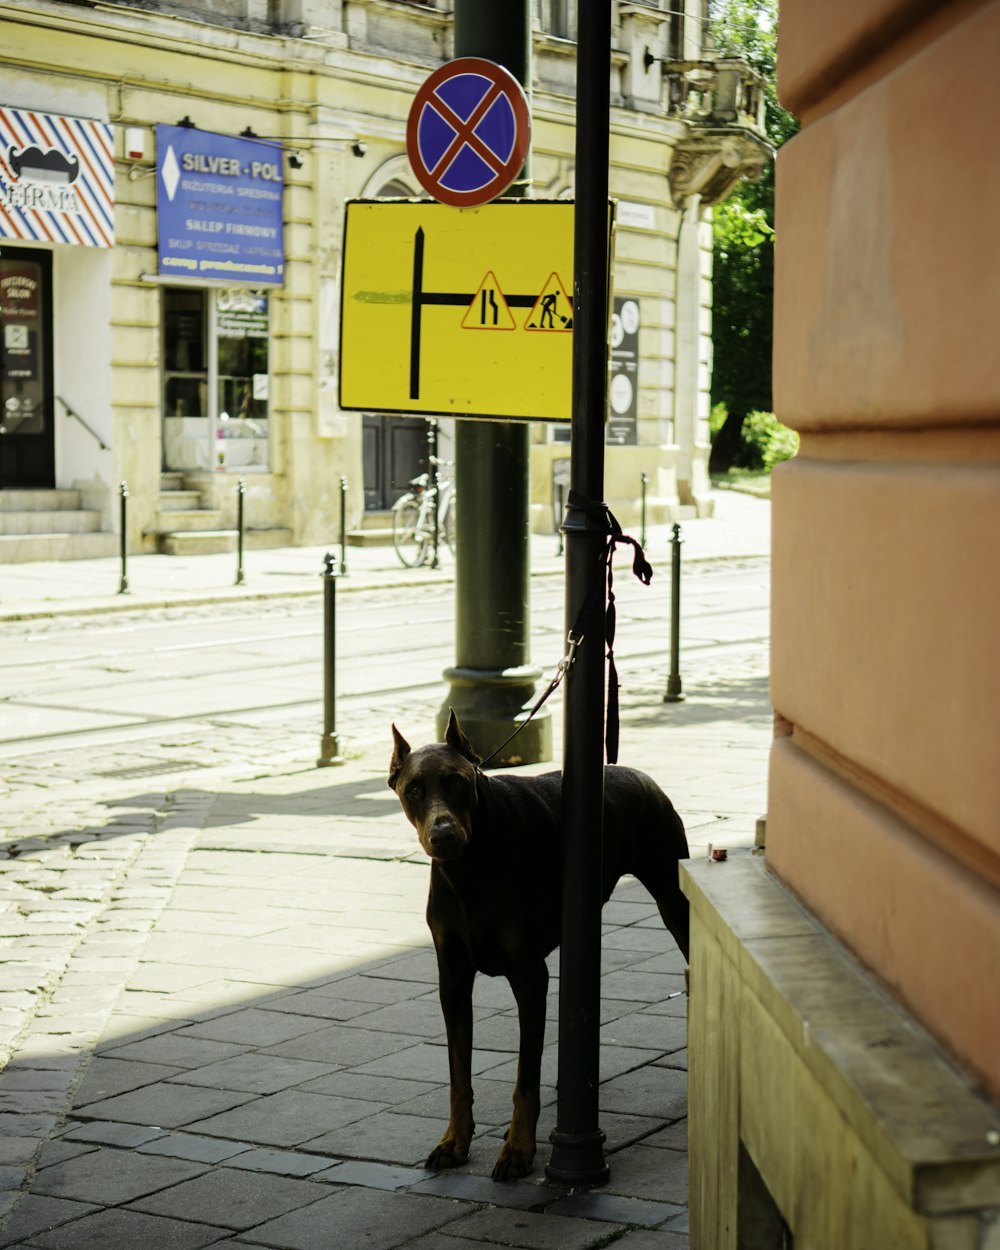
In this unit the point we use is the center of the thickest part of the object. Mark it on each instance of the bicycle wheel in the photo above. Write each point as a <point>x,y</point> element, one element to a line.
<point>408,536</point>
<point>448,524</point>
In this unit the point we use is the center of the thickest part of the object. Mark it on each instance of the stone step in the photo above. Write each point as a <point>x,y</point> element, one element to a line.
<point>205,542</point>
<point>369,538</point>
<point>172,520</point>
<point>59,522</point>
<point>172,479</point>
<point>180,500</point>
<point>39,500</point>
<point>377,519</point>
<point>196,542</point>
<point>22,548</point>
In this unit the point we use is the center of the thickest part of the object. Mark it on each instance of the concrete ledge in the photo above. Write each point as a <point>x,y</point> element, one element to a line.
<point>800,1059</point>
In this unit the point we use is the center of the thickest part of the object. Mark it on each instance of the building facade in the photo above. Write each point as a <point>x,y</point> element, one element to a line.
<point>844,1015</point>
<point>172,182</point>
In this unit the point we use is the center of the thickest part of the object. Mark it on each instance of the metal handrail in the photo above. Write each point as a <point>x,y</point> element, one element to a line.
<point>90,430</point>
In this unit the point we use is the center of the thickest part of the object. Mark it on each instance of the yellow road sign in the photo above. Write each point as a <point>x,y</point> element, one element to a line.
<point>436,302</point>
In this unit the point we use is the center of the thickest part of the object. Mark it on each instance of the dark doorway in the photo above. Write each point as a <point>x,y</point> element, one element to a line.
<point>395,451</point>
<point>759,1223</point>
<point>27,410</point>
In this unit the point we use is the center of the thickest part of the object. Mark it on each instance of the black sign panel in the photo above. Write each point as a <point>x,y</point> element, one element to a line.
<point>623,390</point>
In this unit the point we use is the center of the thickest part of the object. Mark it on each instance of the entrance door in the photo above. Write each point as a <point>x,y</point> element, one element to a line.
<point>27,402</point>
<point>395,450</point>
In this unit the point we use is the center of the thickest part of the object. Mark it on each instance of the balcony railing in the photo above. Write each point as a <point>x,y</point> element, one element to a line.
<point>721,100</point>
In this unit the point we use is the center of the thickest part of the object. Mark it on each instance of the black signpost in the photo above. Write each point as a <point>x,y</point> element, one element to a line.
<point>493,678</point>
<point>577,1140</point>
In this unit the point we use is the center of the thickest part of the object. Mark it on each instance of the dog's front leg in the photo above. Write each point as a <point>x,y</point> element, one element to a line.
<point>455,978</point>
<point>530,986</point>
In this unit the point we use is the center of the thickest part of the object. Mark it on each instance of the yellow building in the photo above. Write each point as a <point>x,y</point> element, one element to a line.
<point>172,183</point>
<point>844,1089</point>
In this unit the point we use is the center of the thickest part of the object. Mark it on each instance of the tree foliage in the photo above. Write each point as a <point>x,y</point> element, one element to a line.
<point>743,287</point>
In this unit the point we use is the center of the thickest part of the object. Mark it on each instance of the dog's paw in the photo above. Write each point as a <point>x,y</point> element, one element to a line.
<point>513,1162</point>
<point>448,1153</point>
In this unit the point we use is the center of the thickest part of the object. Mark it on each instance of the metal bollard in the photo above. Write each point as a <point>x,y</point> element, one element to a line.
<point>642,529</point>
<point>674,687</point>
<point>343,527</point>
<point>562,513</point>
<point>432,477</point>
<point>240,492</point>
<point>123,515</point>
<point>329,750</point>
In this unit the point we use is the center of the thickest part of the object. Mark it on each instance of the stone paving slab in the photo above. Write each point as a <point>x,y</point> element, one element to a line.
<point>112,1176</point>
<point>231,1198</point>
<point>37,1214</point>
<point>122,1229</point>
<point>368,1217</point>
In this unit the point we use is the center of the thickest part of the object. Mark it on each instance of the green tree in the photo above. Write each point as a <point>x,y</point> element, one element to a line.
<point>743,287</point>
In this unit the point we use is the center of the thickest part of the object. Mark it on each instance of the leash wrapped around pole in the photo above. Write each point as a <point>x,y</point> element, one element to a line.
<point>601,515</point>
<point>643,570</point>
<point>562,668</point>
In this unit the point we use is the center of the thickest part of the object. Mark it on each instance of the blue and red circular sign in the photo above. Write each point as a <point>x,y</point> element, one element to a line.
<point>468,132</point>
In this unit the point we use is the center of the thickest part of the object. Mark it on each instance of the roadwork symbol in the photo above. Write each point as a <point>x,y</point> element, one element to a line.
<point>489,309</point>
<point>553,310</point>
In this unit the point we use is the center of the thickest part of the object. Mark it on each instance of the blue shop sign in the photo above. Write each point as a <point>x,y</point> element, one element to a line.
<point>219,207</point>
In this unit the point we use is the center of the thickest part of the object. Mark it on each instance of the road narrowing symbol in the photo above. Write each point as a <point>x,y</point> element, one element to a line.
<point>489,309</point>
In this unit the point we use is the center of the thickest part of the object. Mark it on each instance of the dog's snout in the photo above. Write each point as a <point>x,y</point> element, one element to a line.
<point>444,837</point>
<point>442,832</point>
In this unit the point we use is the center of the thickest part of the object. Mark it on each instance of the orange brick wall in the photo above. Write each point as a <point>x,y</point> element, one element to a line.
<point>884,811</point>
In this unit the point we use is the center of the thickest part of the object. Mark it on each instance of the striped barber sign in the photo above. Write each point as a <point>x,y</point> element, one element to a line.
<point>57,179</point>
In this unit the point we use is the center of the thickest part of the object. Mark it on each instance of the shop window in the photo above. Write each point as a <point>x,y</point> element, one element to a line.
<point>215,379</point>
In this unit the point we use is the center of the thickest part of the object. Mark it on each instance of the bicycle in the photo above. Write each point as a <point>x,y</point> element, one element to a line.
<point>413,518</point>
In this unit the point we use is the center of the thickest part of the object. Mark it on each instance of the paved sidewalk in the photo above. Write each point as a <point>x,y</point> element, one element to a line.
<point>740,527</point>
<point>219,996</point>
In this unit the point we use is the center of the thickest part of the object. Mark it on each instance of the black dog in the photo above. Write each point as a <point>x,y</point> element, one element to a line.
<point>494,903</point>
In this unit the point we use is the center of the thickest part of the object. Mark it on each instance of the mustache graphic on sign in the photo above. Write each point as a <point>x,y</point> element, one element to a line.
<point>37,166</point>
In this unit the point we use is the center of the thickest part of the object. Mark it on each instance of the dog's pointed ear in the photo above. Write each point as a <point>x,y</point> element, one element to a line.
<point>400,751</point>
<point>457,740</point>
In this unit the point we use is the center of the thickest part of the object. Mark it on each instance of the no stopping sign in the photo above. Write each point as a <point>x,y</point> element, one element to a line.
<point>468,132</point>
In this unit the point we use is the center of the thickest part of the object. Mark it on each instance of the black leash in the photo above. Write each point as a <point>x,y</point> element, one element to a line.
<point>601,515</point>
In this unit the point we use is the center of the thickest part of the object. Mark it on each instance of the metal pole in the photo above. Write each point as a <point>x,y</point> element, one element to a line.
<point>493,679</point>
<point>432,476</point>
<point>642,528</point>
<point>123,523</point>
<point>329,751</point>
<point>240,492</point>
<point>577,1140</point>
<point>343,527</point>
<point>561,495</point>
<point>674,687</point>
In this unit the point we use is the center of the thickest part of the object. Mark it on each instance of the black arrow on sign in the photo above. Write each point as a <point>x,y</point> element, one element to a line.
<point>421,297</point>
